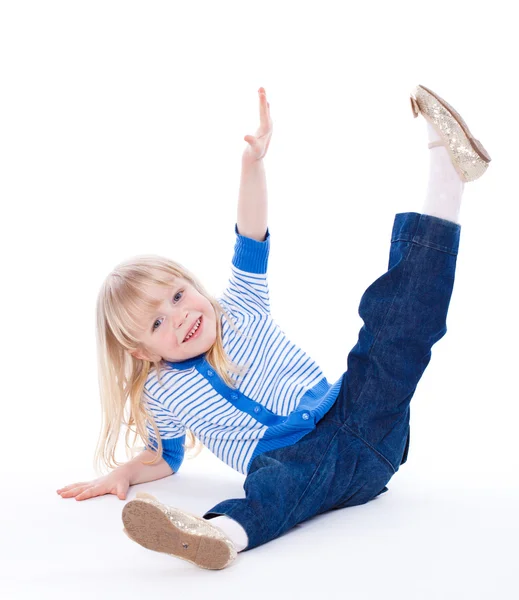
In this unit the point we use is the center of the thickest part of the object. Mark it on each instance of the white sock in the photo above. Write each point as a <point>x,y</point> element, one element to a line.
<point>445,187</point>
<point>233,530</point>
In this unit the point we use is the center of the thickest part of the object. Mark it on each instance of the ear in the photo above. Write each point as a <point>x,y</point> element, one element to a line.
<point>143,356</point>
<point>138,355</point>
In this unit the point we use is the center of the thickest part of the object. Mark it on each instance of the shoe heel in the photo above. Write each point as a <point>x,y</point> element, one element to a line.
<point>414,107</point>
<point>146,495</point>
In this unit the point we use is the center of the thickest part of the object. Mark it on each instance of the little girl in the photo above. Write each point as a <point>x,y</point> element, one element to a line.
<point>186,364</point>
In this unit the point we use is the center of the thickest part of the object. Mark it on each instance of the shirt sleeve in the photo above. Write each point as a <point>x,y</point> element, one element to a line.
<point>172,433</point>
<point>247,288</point>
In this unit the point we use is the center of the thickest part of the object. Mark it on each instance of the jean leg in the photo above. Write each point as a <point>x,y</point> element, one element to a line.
<point>327,469</point>
<point>276,485</point>
<point>404,313</point>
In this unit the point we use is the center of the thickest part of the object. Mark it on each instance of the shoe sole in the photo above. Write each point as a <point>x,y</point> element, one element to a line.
<point>150,527</point>
<point>477,146</point>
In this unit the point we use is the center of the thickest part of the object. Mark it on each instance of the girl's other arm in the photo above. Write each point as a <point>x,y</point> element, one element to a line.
<point>140,473</point>
<point>252,202</point>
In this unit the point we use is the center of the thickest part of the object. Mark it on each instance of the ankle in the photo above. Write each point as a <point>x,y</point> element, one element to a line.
<point>432,134</point>
<point>445,186</point>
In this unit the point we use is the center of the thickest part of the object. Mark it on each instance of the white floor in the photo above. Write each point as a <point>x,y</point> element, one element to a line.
<point>427,538</point>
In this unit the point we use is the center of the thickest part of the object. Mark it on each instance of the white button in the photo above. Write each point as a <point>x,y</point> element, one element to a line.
<point>210,373</point>
<point>234,396</point>
<point>257,409</point>
<point>305,416</point>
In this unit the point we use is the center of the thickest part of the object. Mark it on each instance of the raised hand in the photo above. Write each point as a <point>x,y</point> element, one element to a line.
<point>259,143</point>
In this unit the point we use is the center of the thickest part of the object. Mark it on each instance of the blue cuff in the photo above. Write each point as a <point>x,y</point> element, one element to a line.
<point>172,451</point>
<point>250,255</point>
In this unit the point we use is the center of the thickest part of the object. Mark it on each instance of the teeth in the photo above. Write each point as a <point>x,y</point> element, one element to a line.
<point>193,330</point>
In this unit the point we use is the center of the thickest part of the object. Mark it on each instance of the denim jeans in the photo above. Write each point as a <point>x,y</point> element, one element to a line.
<point>363,439</point>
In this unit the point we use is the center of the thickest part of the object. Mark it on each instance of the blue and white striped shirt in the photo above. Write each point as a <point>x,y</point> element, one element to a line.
<point>279,400</point>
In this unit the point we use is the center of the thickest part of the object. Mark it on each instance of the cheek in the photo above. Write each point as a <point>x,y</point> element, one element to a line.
<point>211,313</point>
<point>206,307</point>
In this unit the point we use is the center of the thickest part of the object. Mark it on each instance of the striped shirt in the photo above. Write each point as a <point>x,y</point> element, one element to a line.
<point>279,400</point>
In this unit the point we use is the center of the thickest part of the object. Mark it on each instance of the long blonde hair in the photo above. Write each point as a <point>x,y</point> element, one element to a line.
<point>122,303</point>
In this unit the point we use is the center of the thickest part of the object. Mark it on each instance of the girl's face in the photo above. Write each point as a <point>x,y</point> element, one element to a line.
<point>181,308</point>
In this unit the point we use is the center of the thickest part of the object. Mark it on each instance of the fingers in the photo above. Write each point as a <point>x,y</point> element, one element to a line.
<point>84,491</point>
<point>264,107</point>
<point>89,493</point>
<point>80,491</point>
<point>73,491</point>
<point>72,485</point>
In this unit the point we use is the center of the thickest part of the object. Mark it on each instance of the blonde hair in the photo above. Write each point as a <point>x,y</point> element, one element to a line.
<point>122,303</point>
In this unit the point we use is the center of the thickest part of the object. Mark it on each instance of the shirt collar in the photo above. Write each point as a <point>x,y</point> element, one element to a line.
<point>186,364</point>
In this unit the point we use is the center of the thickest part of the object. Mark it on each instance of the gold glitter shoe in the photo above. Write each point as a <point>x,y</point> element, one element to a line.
<point>469,157</point>
<point>166,529</point>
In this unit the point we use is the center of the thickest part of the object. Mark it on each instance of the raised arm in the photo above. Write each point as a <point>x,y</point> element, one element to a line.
<point>252,202</point>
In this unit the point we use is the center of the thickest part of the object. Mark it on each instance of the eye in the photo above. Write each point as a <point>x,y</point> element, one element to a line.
<point>160,320</point>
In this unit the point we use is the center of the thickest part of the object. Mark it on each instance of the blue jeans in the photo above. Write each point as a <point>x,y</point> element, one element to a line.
<point>361,442</point>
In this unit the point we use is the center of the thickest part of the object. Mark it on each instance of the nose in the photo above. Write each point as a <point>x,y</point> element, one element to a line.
<point>181,319</point>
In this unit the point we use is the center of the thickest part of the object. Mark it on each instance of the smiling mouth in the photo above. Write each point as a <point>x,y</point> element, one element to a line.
<point>197,331</point>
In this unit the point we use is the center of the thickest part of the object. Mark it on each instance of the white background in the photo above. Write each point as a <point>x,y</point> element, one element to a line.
<point>121,133</point>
